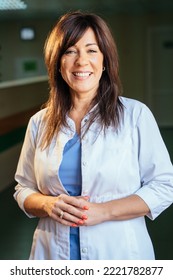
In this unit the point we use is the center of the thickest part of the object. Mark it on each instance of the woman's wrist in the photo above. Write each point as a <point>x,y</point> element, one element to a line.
<point>36,204</point>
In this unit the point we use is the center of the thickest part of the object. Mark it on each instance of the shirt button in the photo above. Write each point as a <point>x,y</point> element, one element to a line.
<point>84,250</point>
<point>84,163</point>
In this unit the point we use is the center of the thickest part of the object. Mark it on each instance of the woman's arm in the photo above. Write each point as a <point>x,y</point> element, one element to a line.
<point>73,208</point>
<point>127,208</point>
<point>79,211</point>
<point>116,210</point>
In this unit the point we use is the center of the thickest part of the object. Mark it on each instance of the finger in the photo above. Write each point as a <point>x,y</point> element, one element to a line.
<point>63,221</point>
<point>86,197</point>
<point>70,213</point>
<point>68,220</point>
<point>78,202</point>
<point>71,218</point>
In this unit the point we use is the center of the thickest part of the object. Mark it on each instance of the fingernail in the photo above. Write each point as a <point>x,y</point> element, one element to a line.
<point>85,207</point>
<point>80,222</point>
<point>73,225</point>
<point>84,217</point>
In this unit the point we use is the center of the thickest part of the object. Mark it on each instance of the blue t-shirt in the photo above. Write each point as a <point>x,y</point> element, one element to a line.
<point>70,175</point>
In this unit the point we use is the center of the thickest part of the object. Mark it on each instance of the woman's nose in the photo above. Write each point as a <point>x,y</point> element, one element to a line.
<point>82,59</point>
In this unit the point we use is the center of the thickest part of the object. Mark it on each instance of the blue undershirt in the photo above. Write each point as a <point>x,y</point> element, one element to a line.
<point>70,175</point>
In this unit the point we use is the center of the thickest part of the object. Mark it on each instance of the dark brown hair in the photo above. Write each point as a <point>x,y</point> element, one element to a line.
<point>66,32</point>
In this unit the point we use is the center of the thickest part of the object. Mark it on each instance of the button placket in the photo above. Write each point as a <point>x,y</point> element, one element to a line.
<point>84,168</point>
<point>84,250</point>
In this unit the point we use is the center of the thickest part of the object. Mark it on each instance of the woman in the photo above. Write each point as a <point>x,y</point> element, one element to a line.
<point>93,164</point>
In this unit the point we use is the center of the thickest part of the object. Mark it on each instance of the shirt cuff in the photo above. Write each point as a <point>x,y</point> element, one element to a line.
<point>157,196</point>
<point>21,194</point>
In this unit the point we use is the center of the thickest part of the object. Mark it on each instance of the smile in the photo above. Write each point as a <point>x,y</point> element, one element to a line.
<point>82,74</point>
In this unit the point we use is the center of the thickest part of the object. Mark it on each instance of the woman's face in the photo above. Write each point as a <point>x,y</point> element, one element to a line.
<point>82,65</point>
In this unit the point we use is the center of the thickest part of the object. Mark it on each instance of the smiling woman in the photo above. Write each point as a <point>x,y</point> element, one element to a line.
<point>87,164</point>
<point>73,45</point>
<point>81,68</point>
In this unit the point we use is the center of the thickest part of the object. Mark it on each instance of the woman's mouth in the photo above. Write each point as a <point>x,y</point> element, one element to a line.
<point>82,74</point>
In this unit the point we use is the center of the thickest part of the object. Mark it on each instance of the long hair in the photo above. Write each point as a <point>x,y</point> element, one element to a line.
<point>66,32</point>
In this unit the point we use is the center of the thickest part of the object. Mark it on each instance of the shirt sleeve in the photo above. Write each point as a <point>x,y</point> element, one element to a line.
<point>156,169</point>
<point>25,174</point>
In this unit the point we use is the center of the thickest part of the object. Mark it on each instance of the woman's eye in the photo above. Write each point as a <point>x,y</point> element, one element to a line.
<point>92,51</point>
<point>70,52</point>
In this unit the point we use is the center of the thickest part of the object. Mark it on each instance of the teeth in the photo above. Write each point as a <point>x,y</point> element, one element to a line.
<point>82,74</point>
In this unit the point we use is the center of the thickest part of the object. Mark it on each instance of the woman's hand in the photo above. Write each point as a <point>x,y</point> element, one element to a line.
<point>121,209</point>
<point>78,211</point>
<point>67,210</point>
<point>96,213</point>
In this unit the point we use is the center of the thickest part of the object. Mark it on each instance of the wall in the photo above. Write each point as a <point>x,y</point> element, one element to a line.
<point>131,32</point>
<point>21,92</point>
<point>14,52</point>
<point>19,100</point>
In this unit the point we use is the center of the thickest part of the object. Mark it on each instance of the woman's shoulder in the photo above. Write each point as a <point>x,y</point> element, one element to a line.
<point>36,123</point>
<point>38,119</point>
<point>130,103</point>
<point>39,116</point>
<point>133,106</point>
<point>135,109</point>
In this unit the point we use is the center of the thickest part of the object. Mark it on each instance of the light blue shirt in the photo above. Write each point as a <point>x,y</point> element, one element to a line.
<point>115,164</point>
<point>70,175</point>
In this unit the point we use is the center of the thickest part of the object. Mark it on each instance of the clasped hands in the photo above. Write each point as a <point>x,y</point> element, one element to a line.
<point>75,211</point>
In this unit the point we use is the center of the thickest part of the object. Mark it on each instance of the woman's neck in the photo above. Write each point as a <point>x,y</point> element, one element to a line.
<point>78,110</point>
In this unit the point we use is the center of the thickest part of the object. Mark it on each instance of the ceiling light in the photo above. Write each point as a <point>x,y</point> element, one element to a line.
<point>12,5</point>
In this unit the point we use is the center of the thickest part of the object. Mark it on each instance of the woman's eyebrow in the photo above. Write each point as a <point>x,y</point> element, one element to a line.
<point>90,44</point>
